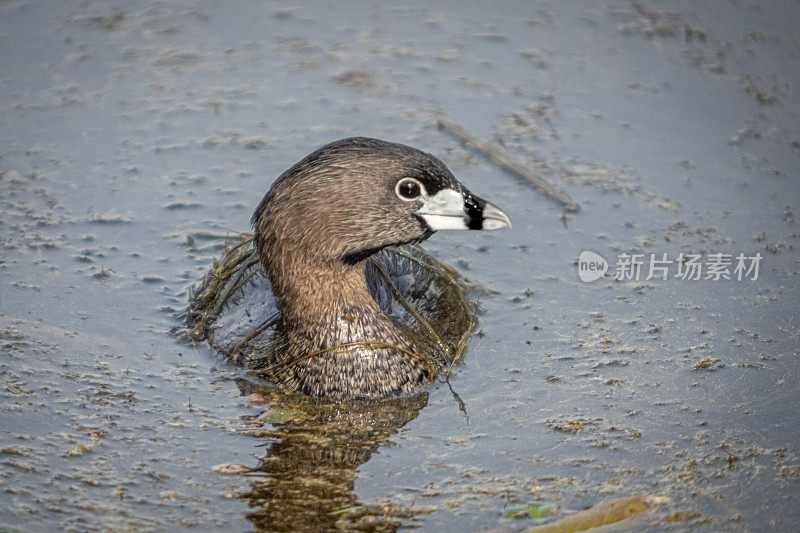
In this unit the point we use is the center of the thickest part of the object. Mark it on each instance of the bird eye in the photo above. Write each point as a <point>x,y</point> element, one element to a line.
<point>408,189</point>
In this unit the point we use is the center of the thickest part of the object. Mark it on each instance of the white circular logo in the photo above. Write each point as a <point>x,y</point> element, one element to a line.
<point>591,266</point>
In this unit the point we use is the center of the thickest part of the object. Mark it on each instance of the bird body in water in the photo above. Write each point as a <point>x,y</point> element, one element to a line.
<point>314,232</point>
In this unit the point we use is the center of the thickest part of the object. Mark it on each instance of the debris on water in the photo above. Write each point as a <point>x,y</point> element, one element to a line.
<point>537,57</point>
<point>708,364</point>
<point>682,516</point>
<point>231,469</point>
<point>354,78</point>
<point>15,450</point>
<point>568,426</point>
<point>668,206</point>
<point>605,180</point>
<point>111,21</point>
<point>527,293</point>
<point>655,24</point>
<point>174,59</point>
<point>79,450</point>
<point>103,273</point>
<point>109,219</point>
<point>255,143</point>
<point>762,97</point>
<point>531,511</point>
<point>600,515</point>
<point>382,509</point>
<point>183,205</point>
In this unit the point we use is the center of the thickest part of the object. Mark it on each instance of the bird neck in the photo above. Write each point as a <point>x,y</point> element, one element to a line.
<point>325,304</point>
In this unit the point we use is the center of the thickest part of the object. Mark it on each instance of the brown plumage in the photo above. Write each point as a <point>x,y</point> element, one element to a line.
<point>314,230</point>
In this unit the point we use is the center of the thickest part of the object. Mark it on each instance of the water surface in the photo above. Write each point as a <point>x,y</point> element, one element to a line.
<point>675,126</point>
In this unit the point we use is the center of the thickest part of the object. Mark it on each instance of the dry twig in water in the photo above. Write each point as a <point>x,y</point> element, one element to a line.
<point>499,157</point>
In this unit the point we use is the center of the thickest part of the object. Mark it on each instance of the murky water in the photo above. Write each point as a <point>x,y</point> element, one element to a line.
<point>675,126</point>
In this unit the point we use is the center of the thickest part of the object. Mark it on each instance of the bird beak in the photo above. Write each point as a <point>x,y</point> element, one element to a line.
<point>460,209</point>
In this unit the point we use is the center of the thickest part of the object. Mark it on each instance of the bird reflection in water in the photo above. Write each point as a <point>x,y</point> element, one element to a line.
<point>306,480</point>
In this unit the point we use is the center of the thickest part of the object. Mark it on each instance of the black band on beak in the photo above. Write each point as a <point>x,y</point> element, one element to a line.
<point>457,208</point>
<point>474,209</point>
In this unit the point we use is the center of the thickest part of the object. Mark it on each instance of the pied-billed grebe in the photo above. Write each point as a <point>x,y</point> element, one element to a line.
<point>314,231</point>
